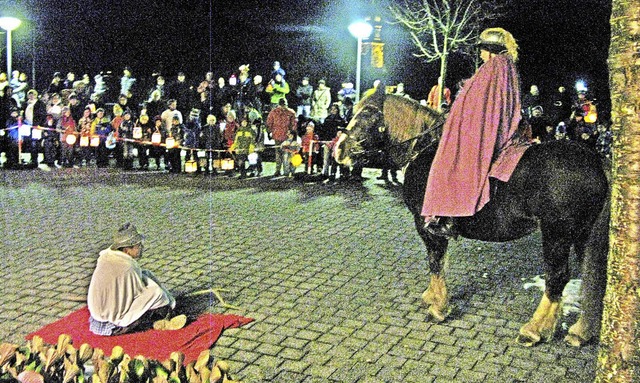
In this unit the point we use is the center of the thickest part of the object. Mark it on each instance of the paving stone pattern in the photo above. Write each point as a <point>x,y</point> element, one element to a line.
<point>332,275</point>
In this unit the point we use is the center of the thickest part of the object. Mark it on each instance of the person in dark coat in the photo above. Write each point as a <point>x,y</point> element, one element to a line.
<point>35,113</point>
<point>11,140</point>
<point>559,106</point>
<point>173,153</point>
<point>191,135</point>
<point>538,124</point>
<point>56,85</point>
<point>210,140</point>
<point>156,151</point>
<point>182,92</point>
<point>102,128</point>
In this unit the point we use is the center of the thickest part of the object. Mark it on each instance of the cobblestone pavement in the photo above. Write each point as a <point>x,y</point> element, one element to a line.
<point>332,274</point>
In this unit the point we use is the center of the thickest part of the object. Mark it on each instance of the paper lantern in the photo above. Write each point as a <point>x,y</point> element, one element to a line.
<point>296,160</point>
<point>24,130</point>
<point>94,141</point>
<point>190,166</point>
<point>137,132</point>
<point>71,139</point>
<point>84,140</point>
<point>110,142</point>
<point>156,138</point>
<point>592,115</point>
<point>227,164</point>
<point>36,133</point>
<point>170,142</point>
<point>217,163</point>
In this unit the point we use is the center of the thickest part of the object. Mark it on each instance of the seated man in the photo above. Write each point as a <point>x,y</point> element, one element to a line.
<point>123,297</point>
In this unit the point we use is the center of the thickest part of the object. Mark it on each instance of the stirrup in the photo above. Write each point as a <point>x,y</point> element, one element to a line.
<point>441,227</point>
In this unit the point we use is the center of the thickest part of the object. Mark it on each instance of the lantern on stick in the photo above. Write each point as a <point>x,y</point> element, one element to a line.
<point>71,139</point>
<point>137,132</point>
<point>36,133</point>
<point>156,138</point>
<point>24,130</point>
<point>191,166</point>
<point>227,164</point>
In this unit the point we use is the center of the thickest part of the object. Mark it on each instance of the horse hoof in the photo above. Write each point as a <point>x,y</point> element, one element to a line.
<point>574,340</point>
<point>527,341</point>
<point>528,337</point>
<point>435,315</point>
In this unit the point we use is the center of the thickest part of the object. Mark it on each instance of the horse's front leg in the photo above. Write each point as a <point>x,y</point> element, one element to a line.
<point>435,296</point>
<point>542,325</point>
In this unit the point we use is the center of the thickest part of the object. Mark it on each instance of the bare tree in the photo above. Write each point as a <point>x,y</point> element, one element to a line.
<point>439,27</point>
<point>619,356</point>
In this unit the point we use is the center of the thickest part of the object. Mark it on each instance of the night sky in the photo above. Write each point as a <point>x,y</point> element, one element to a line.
<point>560,41</point>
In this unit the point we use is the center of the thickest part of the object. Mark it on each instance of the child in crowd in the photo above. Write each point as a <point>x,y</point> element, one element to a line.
<point>68,127</point>
<point>310,147</point>
<point>243,145</point>
<point>290,147</point>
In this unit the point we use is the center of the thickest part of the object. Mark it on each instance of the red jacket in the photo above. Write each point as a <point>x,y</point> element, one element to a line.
<point>306,141</point>
<point>280,121</point>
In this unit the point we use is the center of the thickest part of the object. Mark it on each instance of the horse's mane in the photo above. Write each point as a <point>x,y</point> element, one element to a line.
<point>406,118</point>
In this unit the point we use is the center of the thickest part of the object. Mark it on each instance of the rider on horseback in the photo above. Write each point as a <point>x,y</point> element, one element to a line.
<point>480,138</point>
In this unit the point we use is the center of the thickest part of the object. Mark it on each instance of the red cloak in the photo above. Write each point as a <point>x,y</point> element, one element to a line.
<point>479,139</point>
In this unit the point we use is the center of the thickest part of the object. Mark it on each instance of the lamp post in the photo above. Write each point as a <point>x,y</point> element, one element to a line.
<point>9,24</point>
<point>360,30</point>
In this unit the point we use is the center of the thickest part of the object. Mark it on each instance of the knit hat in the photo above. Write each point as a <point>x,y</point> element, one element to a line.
<point>126,236</point>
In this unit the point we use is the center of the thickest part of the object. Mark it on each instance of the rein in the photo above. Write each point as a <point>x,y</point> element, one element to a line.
<point>417,137</point>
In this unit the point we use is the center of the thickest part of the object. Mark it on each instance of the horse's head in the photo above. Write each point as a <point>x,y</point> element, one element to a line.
<point>365,132</point>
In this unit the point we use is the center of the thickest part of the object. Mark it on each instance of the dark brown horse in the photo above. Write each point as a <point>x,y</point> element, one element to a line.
<point>559,187</point>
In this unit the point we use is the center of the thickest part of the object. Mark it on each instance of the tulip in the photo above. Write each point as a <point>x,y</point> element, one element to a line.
<point>71,370</point>
<point>178,358</point>
<point>203,360</point>
<point>124,368</point>
<point>116,355</point>
<point>63,341</point>
<point>140,366</point>
<point>85,353</point>
<point>192,375</point>
<point>37,345</point>
<point>51,357</point>
<point>30,377</point>
<point>7,351</point>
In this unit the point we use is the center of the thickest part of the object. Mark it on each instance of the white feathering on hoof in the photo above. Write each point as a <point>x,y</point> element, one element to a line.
<point>570,294</point>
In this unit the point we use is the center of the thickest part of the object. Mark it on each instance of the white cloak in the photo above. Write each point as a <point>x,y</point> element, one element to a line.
<point>120,292</point>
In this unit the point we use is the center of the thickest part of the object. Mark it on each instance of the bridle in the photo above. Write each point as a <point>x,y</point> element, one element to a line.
<point>409,142</point>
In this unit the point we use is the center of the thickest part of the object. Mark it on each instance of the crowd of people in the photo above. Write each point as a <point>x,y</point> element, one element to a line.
<point>562,117</point>
<point>172,123</point>
<point>178,125</point>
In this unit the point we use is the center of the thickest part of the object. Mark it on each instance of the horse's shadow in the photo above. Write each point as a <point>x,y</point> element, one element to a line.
<point>193,306</point>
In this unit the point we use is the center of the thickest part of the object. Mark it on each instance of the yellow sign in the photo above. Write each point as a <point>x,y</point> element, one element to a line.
<point>377,55</point>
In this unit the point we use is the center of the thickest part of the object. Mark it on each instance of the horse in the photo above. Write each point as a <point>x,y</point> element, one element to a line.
<point>560,188</point>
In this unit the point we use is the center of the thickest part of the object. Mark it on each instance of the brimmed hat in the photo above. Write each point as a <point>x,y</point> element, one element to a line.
<point>498,41</point>
<point>126,236</point>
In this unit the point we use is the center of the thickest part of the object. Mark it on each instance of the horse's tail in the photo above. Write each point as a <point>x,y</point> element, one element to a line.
<point>594,267</point>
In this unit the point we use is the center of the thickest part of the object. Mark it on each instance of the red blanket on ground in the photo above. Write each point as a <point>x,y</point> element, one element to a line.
<point>154,344</point>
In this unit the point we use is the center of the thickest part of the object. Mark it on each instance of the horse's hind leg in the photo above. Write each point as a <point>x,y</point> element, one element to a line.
<point>542,325</point>
<point>435,296</point>
<point>594,281</point>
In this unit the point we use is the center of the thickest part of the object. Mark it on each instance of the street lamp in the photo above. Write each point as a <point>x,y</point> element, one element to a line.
<point>9,24</point>
<point>360,30</point>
